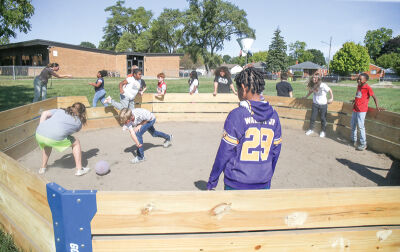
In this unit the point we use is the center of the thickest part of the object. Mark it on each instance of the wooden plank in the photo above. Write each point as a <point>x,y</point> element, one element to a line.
<point>218,211</point>
<point>101,123</point>
<point>202,97</point>
<point>193,107</point>
<point>321,240</point>
<point>29,186</point>
<point>66,101</point>
<point>145,98</point>
<point>101,112</point>
<point>191,117</point>
<point>24,113</point>
<point>20,238</point>
<point>384,117</point>
<point>16,134</point>
<point>22,148</point>
<point>27,220</point>
<point>300,103</point>
<point>304,114</point>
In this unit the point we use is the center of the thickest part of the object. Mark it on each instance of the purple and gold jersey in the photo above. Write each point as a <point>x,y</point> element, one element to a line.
<point>250,147</point>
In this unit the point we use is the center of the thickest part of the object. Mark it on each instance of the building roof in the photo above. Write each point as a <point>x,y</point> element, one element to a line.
<point>48,43</point>
<point>306,65</point>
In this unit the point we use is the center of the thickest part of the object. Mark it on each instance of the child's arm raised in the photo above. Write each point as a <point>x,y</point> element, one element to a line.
<point>134,138</point>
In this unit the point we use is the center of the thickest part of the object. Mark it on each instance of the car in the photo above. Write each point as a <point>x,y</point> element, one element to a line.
<point>331,78</point>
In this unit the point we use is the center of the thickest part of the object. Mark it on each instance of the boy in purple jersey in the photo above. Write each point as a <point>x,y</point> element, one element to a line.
<point>251,142</point>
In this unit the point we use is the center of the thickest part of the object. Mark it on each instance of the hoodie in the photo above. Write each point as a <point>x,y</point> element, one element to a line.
<point>250,147</point>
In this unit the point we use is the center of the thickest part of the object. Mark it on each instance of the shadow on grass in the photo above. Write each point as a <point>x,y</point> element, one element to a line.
<point>392,178</point>
<point>14,96</point>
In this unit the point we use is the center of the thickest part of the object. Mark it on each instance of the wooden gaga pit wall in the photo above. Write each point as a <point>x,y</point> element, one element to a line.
<point>43,216</point>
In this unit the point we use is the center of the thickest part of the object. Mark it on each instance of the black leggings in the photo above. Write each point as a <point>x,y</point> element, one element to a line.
<point>321,109</point>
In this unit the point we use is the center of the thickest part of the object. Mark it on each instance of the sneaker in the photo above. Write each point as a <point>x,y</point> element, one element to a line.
<point>309,132</point>
<point>354,144</point>
<point>137,160</point>
<point>83,171</point>
<point>42,170</point>
<point>322,134</point>
<point>168,143</point>
<point>361,147</point>
<point>124,127</point>
<point>107,100</point>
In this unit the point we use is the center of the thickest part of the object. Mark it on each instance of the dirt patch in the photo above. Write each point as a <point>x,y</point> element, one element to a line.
<point>305,161</point>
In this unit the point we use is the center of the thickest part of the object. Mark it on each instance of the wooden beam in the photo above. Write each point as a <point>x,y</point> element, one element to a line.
<point>27,185</point>
<point>101,123</point>
<point>202,97</point>
<point>22,148</point>
<point>219,211</point>
<point>39,231</point>
<point>191,117</point>
<point>193,107</point>
<point>16,134</point>
<point>66,101</point>
<point>387,239</point>
<point>24,113</point>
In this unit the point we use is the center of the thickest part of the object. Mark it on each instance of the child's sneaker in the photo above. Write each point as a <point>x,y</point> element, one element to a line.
<point>107,100</point>
<point>361,147</point>
<point>83,171</point>
<point>137,160</point>
<point>322,134</point>
<point>168,143</point>
<point>42,170</point>
<point>309,132</point>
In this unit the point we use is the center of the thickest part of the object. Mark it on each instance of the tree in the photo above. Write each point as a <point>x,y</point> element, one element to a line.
<point>168,29</point>
<point>296,49</point>
<point>87,44</point>
<point>260,56</point>
<point>241,61</point>
<point>351,58</point>
<point>187,63</point>
<point>226,59</point>
<point>14,15</point>
<point>318,57</point>
<point>388,60</point>
<point>126,24</point>
<point>209,24</point>
<point>375,39</point>
<point>277,59</point>
<point>306,56</point>
<point>392,46</point>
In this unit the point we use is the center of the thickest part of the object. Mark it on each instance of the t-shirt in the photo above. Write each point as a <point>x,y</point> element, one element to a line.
<point>283,88</point>
<point>101,85</point>
<point>362,98</point>
<point>194,83</point>
<point>59,125</point>
<point>223,84</point>
<point>132,88</point>
<point>162,87</point>
<point>46,74</point>
<point>319,96</point>
<point>140,115</point>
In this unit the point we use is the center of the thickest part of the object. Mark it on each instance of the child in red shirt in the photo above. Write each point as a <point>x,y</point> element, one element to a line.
<point>360,109</point>
<point>161,86</point>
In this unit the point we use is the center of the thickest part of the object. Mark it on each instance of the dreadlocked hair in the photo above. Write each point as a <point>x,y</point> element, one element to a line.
<point>77,109</point>
<point>251,78</point>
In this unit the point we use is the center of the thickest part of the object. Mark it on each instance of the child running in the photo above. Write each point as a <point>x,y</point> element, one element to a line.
<point>138,121</point>
<point>193,83</point>
<point>100,93</point>
<point>320,103</point>
<point>251,142</point>
<point>161,86</point>
<point>128,90</point>
<point>360,109</point>
<point>54,131</point>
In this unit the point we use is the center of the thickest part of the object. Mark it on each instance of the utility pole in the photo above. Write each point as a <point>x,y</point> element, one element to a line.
<point>330,46</point>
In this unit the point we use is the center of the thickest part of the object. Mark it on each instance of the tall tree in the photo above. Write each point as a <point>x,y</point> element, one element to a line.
<point>260,56</point>
<point>14,15</point>
<point>126,24</point>
<point>296,49</point>
<point>277,59</point>
<point>168,29</point>
<point>388,60</point>
<point>210,23</point>
<point>375,40</point>
<point>318,57</point>
<point>392,46</point>
<point>87,44</point>
<point>227,59</point>
<point>351,58</point>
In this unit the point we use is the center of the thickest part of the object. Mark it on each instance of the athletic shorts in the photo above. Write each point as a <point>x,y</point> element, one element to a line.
<point>60,145</point>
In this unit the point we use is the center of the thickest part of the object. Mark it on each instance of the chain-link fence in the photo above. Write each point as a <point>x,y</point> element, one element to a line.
<point>19,72</point>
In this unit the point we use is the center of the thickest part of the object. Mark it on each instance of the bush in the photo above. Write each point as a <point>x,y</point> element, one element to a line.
<point>298,73</point>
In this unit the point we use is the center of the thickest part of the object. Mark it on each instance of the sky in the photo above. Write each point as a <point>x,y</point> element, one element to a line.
<point>311,21</point>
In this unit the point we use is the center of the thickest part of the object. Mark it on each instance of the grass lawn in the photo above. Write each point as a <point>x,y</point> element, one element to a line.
<point>7,243</point>
<point>20,92</point>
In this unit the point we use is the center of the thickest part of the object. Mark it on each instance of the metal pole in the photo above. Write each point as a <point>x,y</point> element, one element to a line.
<point>329,57</point>
<point>13,72</point>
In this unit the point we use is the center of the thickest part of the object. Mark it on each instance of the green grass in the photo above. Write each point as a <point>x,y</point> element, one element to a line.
<point>20,92</point>
<point>7,243</point>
